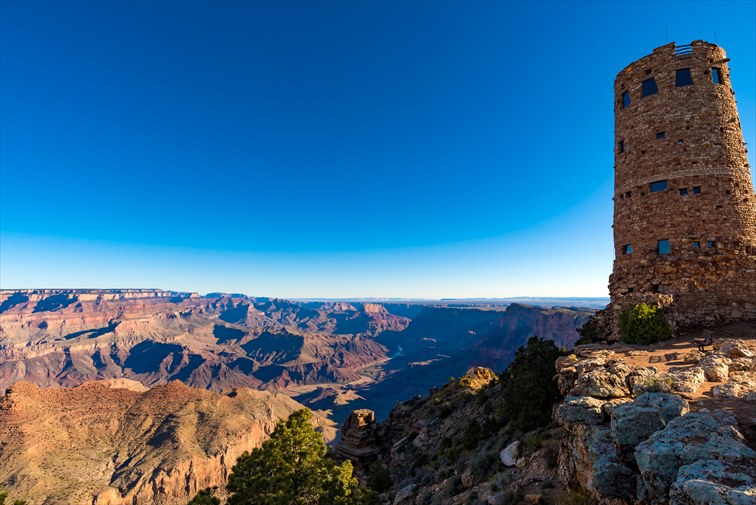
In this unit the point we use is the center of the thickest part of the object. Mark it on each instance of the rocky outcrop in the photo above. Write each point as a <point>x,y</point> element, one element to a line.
<point>688,440</point>
<point>112,442</point>
<point>358,442</point>
<point>628,438</point>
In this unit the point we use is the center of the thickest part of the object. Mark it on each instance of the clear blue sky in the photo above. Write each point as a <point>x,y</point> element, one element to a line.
<point>336,149</point>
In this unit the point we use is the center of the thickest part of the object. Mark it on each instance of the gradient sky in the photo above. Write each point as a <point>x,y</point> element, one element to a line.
<point>325,149</point>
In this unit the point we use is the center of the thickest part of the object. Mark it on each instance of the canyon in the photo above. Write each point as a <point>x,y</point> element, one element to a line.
<point>148,396</point>
<point>331,356</point>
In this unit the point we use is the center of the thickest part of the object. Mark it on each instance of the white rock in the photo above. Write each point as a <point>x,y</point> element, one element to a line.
<point>510,454</point>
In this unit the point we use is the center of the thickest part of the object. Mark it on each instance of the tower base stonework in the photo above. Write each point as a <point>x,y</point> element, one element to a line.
<point>693,290</point>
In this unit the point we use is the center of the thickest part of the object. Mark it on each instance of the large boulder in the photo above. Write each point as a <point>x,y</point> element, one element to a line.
<point>634,422</point>
<point>716,367</point>
<point>734,348</point>
<point>510,454</point>
<point>686,440</point>
<point>687,381</point>
<point>739,385</point>
<point>714,482</point>
<point>606,382</point>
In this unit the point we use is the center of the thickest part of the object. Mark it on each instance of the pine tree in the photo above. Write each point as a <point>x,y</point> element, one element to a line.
<point>294,467</point>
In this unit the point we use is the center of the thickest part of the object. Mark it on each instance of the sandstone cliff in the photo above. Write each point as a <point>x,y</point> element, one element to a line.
<point>115,442</point>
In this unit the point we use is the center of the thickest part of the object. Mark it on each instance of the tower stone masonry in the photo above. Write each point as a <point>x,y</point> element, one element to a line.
<point>684,204</point>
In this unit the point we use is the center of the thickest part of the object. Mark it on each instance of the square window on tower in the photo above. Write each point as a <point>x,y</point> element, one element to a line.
<point>621,146</point>
<point>683,78</point>
<point>683,191</point>
<point>648,87</point>
<point>660,135</point>
<point>627,249</point>
<point>625,99</point>
<point>716,76</point>
<point>663,247</point>
<point>658,186</point>
<point>696,244</point>
<point>696,190</point>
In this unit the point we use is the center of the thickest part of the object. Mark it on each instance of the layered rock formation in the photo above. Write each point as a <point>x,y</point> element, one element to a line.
<point>115,442</point>
<point>218,341</point>
<point>65,337</point>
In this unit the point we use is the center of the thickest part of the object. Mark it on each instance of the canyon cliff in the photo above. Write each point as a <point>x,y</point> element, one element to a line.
<point>115,441</point>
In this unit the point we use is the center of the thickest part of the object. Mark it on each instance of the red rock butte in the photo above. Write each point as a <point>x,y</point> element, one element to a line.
<point>684,204</point>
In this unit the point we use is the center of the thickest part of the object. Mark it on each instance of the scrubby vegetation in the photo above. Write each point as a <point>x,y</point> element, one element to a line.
<point>4,497</point>
<point>644,324</point>
<point>529,391</point>
<point>596,329</point>
<point>293,467</point>
<point>205,497</point>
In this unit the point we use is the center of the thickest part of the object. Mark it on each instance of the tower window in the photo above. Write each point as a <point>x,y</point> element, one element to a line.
<point>627,249</point>
<point>625,99</point>
<point>683,191</point>
<point>659,186</point>
<point>696,244</point>
<point>716,76</point>
<point>660,135</point>
<point>683,78</point>
<point>696,190</point>
<point>711,244</point>
<point>621,146</point>
<point>663,247</point>
<point>648,87</point>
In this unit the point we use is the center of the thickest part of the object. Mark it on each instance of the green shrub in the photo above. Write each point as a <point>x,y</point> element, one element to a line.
<point>4,496</point>
<point>205,497</point>
<point>533,442</point>
<point>575,497</point>
<point>644,324</point>
<point>654,384</point>
<point>529,391</point>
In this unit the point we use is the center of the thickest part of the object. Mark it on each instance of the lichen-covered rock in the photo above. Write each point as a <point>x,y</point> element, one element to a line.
<point>743,365</point>
<point>580,410</point>
<point>739,385</point>
<point>607,382</point>
<point>687,381</point>
<point>685,440</point>
<point>734,348</point>
<point>634,422</point>
<point>716,367</point>
<point>510,454</point>
<point>611,478</point>
<point>714,482</point>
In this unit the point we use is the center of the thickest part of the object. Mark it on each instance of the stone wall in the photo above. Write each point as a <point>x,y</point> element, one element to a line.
<point>690,137</point>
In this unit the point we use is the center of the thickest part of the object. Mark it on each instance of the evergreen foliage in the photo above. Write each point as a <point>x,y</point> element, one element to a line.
<point>293,467</point>
<point>644,324</point>
<point>529,391</point>
<point>205,497</point>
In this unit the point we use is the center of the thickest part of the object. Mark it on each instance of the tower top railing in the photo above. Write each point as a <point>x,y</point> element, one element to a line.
<point>684,51</point>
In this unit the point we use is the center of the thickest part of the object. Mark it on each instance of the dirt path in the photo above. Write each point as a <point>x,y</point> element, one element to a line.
<point>682,353</point>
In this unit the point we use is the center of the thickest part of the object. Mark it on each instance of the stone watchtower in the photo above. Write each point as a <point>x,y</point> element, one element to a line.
<point>684,204</point>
